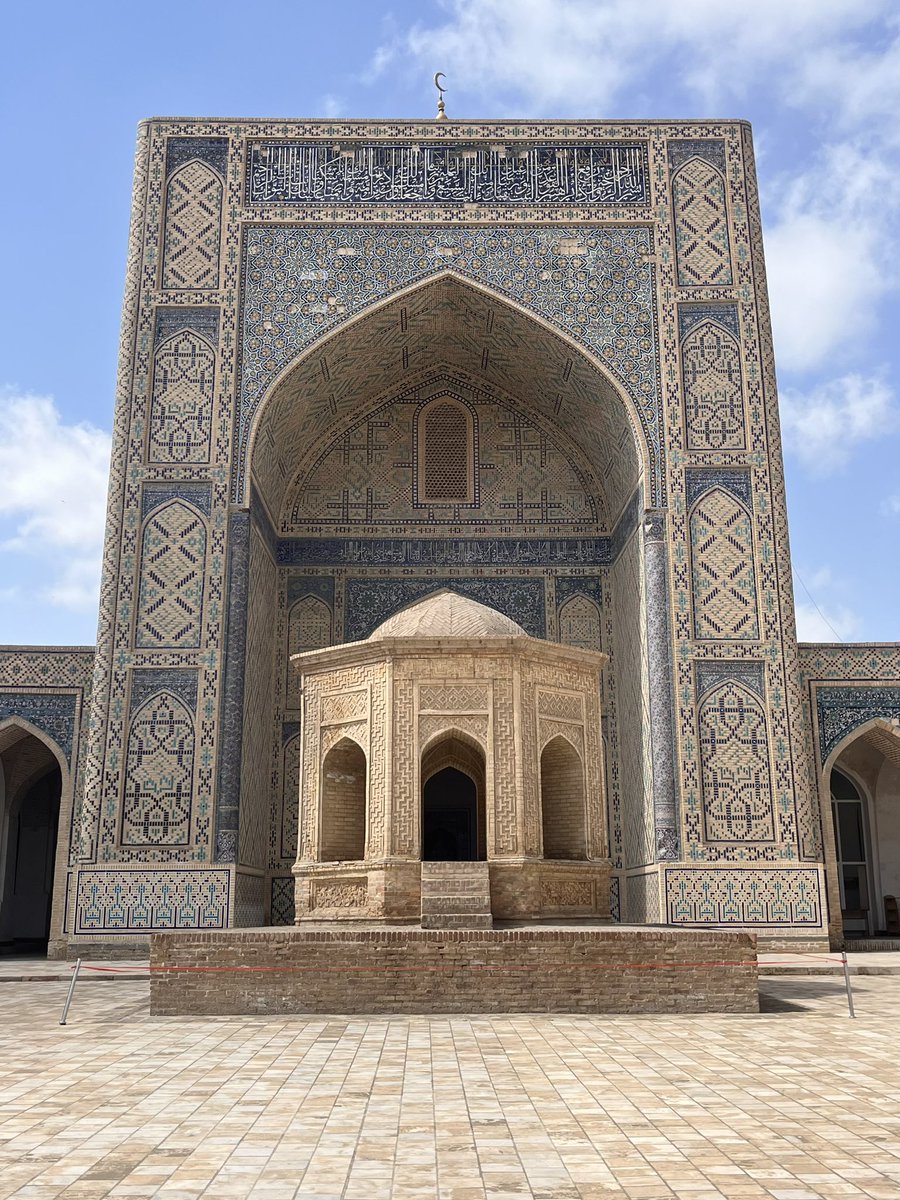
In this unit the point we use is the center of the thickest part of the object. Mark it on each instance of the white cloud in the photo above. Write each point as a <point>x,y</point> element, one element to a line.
<point>331,105</point>
<point>890,506</point>
<point>561,54</point>
<point>54,494</point>
<point>825,280</point>
<point>835,623</point>
<point>822,426</point>
<point>821,615</point>
<point>831,222</point>
<point>830,250</point>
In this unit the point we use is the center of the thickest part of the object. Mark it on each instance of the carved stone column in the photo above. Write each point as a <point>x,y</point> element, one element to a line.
<point>659,669</point>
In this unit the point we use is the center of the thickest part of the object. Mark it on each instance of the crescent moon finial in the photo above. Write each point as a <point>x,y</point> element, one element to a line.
<point>441,114</point>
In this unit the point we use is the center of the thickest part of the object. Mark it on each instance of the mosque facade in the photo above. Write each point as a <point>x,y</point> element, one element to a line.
<point>528,364</point>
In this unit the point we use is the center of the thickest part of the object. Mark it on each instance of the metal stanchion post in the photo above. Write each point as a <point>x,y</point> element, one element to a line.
<point>62,1019</point>
<point>847,982</point>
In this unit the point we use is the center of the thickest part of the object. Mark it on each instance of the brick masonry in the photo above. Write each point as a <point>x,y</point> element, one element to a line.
<point>588,969</point>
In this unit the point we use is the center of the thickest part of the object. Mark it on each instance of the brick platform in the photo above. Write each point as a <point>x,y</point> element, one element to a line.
<point>402,970</point>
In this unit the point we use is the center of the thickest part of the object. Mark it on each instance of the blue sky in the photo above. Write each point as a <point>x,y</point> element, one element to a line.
<point>819,79</point>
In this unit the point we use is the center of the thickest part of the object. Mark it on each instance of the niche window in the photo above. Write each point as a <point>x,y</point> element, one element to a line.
<point>446,453</point>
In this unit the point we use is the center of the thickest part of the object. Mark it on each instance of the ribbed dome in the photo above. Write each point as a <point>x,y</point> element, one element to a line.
<point>447,614</point>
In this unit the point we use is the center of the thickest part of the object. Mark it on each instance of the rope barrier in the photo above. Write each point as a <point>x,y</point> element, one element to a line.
<point>800,959</point>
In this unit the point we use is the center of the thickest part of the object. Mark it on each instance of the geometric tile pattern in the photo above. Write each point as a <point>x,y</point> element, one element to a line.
<point>734,750</point>
<point>181,406</point>
<point>260,728</point>
<point>117,901</point>
<point>758,896</point>
<point>192,230</point>
<point>54,715</point>
<point>369,474</point>
<point>371,601</point>
<point>173,560</point>
<point>159,771</point>
<point>843,709</point>
<point>579,623</point>
<point>701,225</point>
<point>628,704</point>
<point>282,900</point>
<point>713,397</point>
<point>723,578</point>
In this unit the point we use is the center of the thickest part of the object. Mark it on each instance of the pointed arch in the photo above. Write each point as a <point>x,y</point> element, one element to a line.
<point>290,399</point>
<point>192,228</point>
<point>713,391</point>
<point>702,250</point>
<point>723,579</point>
<point>310,624</point>
<point>579,622</point>
<point>563,815</point>
<point>343,803</point>
<point>159,772</point>
<point>20,726</point>
<point>453,784</point>
<point>861,838</point>
<point>734,757</point>
<point>452,730</point>
<point>172,570</point>
<point>35,804</point>
<point>181,402</point>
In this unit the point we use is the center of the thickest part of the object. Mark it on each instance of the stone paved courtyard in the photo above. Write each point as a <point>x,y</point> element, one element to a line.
<point>796,1103</point>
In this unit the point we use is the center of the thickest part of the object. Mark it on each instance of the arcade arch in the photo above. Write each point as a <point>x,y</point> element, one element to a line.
<point>861,819</point>
<point>32,775</point>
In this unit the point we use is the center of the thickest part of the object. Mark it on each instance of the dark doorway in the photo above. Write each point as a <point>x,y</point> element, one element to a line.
<point>32,785</point>
<point>450,818</point>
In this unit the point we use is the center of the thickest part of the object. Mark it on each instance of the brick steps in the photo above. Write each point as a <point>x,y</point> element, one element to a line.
<point>456,895</point>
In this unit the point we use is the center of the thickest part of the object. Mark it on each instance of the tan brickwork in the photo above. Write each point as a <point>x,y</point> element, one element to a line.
<point>562,800</point>
<point>344,795</point>
<point>425,971</point>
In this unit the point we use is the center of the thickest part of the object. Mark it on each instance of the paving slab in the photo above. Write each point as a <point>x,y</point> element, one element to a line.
<point>798,1101</point>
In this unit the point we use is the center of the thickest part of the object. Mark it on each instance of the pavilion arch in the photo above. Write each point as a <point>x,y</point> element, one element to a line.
<point>343,803</point>
<point>447,319</point>
<point>563,809</point>
<point>868,757</point>
<point>35,806</point>
<point>454,812</point>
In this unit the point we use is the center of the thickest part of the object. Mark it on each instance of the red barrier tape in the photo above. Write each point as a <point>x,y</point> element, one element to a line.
<point>171,968</point>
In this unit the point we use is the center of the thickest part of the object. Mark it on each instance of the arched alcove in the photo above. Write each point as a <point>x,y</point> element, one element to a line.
<point>451,322</point>
<point>343,804</point>
<point>551,447</point>
<point>861,826</point>
<point>562,801</point>
<point>31,785</point>
<point>453,800</point>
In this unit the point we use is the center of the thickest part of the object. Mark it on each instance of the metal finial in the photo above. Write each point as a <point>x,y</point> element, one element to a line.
<point>441,114</point>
